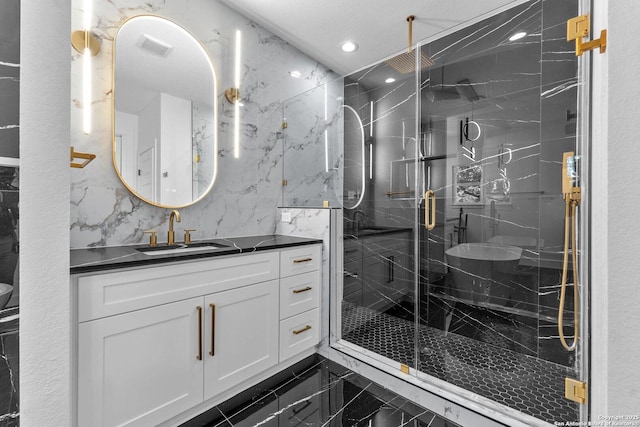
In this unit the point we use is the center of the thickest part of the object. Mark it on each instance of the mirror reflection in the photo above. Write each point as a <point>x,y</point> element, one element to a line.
<point>164,113</point>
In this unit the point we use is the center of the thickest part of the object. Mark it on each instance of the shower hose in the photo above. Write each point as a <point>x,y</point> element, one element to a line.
<point>571,206</point>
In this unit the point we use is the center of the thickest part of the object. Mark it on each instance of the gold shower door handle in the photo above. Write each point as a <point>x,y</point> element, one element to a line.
<point>430,210</point>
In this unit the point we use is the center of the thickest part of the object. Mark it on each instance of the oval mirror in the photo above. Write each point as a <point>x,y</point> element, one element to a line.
<point>164,113</point>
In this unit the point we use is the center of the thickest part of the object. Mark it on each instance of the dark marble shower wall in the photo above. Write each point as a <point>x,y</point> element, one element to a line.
<point>526,104</point>
<point>9,369</point>
<point>523,96</point>
<point>9,153</point>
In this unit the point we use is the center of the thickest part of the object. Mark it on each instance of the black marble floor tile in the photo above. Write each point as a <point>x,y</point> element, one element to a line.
<point>318,392</point>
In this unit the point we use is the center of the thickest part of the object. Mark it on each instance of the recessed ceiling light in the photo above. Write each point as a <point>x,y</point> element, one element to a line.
<point>295,74</point>
<point>390,80</point>
<point>349,47</point>
<point>517,36</point>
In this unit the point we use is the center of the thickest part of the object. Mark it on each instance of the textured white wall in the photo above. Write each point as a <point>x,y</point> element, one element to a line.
<point>616,271</point>
<point>45,346</point>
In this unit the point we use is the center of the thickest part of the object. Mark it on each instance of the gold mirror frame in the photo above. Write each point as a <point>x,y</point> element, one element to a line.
<point>214,119</point>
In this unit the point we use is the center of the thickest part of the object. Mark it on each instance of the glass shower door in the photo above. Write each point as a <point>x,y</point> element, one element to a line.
<point>498,108</point>
<point>454,212</point>
<point>379,192</point>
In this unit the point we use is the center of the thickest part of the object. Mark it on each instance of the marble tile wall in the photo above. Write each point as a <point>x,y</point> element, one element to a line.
<point>9,368</point>
<point>247,190</point>
<point>313,147</point>
<point>523,96</point>
<point>9,155</point>
<point>9,78</point>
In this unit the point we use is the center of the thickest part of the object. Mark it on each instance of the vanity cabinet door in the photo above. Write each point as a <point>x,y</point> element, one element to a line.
<point>140,368</point>
<point>241,335</point>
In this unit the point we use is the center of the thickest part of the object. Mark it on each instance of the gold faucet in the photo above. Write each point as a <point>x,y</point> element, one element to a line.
<point>171,235</point>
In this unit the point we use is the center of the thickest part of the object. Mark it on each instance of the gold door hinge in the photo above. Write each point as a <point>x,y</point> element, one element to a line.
<point>578,28</point>
<point>284,125</point>
<point>284,182</point>
<point>575,390</point>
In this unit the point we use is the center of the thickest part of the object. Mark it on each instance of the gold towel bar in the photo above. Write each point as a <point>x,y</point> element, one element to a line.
<point>77,155</point>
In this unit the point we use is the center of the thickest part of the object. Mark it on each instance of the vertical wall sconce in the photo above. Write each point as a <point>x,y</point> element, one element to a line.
<point>87,45</point>
<point>233,95</point>
<point>371,143</point>
<point>326,132</point>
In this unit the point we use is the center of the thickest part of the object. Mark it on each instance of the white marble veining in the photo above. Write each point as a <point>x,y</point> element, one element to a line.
<point>248,189</point>
<point>313,147</point>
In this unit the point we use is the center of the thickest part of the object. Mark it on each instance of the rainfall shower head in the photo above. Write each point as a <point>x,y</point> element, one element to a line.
<point>406,63</point>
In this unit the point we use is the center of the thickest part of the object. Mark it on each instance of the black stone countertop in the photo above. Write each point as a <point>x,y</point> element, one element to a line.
<point>115,257</point>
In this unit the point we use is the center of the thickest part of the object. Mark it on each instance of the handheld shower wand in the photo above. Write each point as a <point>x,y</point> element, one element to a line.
<point>572,196</point>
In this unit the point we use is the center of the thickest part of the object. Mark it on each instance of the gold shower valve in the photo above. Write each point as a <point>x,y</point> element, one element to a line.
<point>575,195</point>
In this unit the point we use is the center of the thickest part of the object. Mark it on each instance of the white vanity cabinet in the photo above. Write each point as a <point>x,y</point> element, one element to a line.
<point>139,368</point>
<point>241,336</point>
<point>158,341</point>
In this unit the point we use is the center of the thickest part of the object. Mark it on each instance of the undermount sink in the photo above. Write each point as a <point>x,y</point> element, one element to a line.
<point>181,248</point>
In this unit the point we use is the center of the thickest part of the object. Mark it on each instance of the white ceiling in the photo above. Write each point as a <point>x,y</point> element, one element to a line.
<point>319,27</point>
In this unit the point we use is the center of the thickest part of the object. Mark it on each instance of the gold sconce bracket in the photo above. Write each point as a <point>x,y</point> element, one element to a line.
<point>82,38</point>
<point>76,155</point>
<point>232,94</point>
<point>578,28</point>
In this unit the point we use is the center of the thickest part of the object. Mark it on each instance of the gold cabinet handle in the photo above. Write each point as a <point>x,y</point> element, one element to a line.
<point>298,261</point>
<point>199,356</point>
<point>212,352</point>
<point>430,210</point>
<point>299,291</point>
<point>299,331</point>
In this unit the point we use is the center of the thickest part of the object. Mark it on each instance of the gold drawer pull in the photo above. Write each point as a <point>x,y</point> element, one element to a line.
<point>199,356</point>
<point>299,331</point>
<point>298,291</point>
<point>298,261</point>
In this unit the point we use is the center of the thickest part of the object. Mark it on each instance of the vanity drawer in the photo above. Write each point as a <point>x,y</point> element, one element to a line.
<point>299,293</point>
<point>300,260</point>
<point>108,294</point>
<point>299,333</point>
